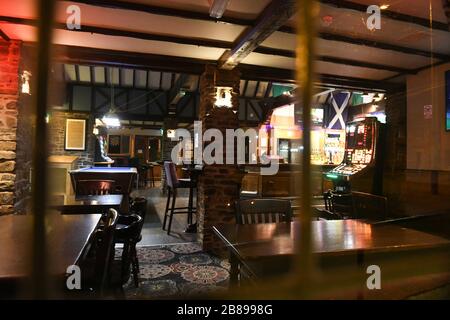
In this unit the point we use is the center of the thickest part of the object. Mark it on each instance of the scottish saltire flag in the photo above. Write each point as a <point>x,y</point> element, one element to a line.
<point>337,110</point>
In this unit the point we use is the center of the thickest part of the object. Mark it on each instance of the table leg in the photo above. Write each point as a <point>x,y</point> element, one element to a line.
<point>190,204</point>
<point>234,269</point>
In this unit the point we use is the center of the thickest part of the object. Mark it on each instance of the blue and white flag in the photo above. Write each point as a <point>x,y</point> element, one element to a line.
<point>337,110</point>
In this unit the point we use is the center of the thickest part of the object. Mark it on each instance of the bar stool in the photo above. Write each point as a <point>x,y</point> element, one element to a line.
<point>173,184</point>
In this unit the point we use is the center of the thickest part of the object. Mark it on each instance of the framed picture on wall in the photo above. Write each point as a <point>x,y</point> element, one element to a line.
<point>75,134</point>
<point>114,144</point>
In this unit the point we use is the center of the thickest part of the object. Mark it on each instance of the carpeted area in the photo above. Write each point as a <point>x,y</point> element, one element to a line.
<point>177,271</point>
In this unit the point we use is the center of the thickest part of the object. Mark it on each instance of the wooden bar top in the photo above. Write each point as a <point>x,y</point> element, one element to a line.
<point>67,237</point>
<point>329,238</point>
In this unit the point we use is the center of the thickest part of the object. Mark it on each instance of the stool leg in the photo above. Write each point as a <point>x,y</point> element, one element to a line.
<point>167,207</point>
<point>172,210</point>
<point>125,259</point>
<point>190,204</point>
<point>152,177</point>
<point>135,266</point>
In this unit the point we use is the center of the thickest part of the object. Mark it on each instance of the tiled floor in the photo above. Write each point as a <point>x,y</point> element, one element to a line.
<point>152,233</point>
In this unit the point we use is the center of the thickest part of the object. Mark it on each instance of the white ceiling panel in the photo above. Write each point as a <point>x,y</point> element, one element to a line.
<point>140,78</point>
<point>84,73</point>
<point>270,61</point>
<point>248,9</point>
<point>353,23</point>
<point>154,79</point>
<point>127,77</point>
<point>352,51</point>
<point>151,23</point>
<point>416,8</point>
<point>369,54</point>
<point>349,71</point>
<point>134,45</point>
<point>99,75</point>
<point>69,70</point>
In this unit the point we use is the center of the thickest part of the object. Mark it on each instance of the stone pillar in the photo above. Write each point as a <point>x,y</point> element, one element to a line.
<point>218,185</point>
<point>14,176</point>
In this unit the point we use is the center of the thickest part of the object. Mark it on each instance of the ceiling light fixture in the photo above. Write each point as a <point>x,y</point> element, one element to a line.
<point>111,120</point>
<point>224,97</point>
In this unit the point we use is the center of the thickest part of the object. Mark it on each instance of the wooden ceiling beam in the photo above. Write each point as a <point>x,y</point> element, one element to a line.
<point>174,93</point>
<point>4,36</point>
<point>276,14</point>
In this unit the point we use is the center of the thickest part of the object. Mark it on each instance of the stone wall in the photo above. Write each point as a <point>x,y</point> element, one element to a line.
<point>9,97</point>
<point>25,131</point>
<point>57,132</point>
<point>218,185</point>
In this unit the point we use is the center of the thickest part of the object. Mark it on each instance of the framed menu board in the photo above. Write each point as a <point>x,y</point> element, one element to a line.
<point>75,134</point>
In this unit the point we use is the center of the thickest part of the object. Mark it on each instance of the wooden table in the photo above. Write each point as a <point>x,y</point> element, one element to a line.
<point>86,204</point>
<point>256,249</point>
<point>67,236</point>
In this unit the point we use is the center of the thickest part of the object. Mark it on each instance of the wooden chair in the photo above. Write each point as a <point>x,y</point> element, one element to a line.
<point>340,204</point>
<point>96,272</point>
<point>173,184</point>
<point>254,211</point>
<point>369,206</point>
<point>94,187</point>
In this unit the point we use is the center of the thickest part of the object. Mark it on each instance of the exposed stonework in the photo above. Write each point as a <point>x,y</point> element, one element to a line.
<point>218,186</point>
<point>9,110</point>
<point>57,130</point>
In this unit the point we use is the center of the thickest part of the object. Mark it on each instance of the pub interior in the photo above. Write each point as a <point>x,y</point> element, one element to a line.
<point>271,149</point>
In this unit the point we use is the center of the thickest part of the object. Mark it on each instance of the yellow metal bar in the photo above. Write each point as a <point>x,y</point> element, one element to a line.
<point>306,19</point>
<point>39,255</point>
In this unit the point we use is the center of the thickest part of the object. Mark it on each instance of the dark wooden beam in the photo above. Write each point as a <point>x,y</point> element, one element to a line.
<point>176,87</point>
<point>349,5</point>
<point>4,36</point>
<point>276,14</point>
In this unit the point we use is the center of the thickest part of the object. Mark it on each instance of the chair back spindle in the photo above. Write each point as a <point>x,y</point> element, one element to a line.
<point>254,211</point>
